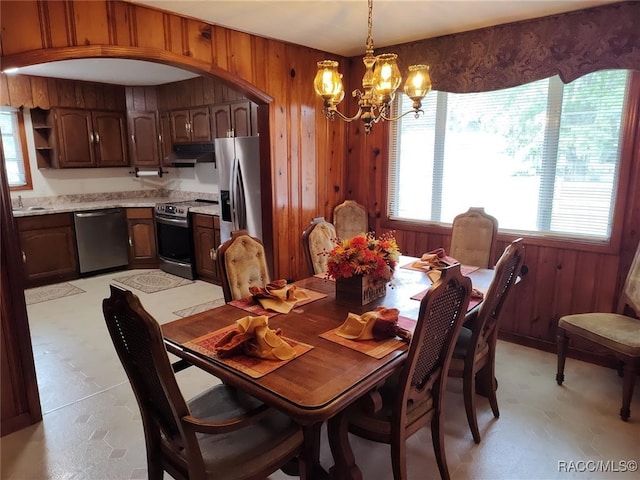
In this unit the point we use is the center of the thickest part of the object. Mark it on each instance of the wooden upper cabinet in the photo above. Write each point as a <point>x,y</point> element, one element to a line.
<point>90,138</point>
<point>144,141</point>
<point>233,120</point>
<point>191,125</point>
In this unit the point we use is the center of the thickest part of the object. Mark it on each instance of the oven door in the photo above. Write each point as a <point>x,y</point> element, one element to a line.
<point>175,246</point>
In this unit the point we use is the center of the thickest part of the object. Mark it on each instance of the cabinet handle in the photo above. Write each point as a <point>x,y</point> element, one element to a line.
<point>91,138</point>
<point>97,137</point>
<point>24,257</point>
<point>133,139</point>
<point>213,254</point>
<point>130,242</point>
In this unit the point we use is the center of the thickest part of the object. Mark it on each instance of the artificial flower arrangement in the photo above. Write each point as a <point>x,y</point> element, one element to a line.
<point>364,254</point>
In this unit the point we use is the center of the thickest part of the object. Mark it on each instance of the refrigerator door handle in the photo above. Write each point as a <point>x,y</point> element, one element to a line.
<point>240,200</point>
<point>233,195</point>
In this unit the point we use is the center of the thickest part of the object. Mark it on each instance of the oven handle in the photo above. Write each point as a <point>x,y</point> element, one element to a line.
<point>178,222</point>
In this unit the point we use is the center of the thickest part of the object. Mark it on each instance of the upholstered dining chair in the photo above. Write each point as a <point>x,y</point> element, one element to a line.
<point>221,433</point>
<point>242,264</point>
<point>318,240</point>
<point>618,333</point>
<point>413,398</point>
<point>474,355</point>
<point>350,219</point>
<point>473,238</point>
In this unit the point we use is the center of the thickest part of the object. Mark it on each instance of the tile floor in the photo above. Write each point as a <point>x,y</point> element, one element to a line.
<point>91,427</point>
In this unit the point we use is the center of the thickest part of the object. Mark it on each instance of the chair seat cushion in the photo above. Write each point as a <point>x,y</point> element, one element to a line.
<point>616,332</point>
<point>237,454</point>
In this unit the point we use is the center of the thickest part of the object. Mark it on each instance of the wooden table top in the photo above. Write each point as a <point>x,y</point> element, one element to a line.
<point>321,382</point>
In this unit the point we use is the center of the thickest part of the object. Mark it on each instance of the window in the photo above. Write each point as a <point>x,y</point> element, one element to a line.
<point>14,146</point>
<point>541,157</point>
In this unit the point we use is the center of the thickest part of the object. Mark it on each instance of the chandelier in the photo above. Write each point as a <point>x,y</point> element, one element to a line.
<point>380,81</point>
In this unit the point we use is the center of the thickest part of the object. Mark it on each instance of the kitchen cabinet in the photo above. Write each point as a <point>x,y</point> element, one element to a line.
<point>90,138</point>
<point>144,140</point>
<point>191,125</point>
<point>206,238</point>
<point>238,119</point>
<point>43,136</point>
<point>143,251</point>
<point>166,143</point>
<point>48,247</point>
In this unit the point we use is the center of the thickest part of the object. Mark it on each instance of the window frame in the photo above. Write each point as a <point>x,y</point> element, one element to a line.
<point>630,136</point>
<point>22,136</point>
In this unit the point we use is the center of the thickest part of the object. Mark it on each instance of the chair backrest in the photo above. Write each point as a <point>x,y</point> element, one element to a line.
<point>138,340</point>
<point>473,238</point>
<point>630,297</point>
<point>442,312</point>
<point>242,264</point>
<point>317,241</point>
<point>350,219</point>
<point>486,324</point>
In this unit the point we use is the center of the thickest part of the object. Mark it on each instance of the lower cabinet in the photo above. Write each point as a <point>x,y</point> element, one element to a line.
<point>48,245</point>
<point>206,238</point>
<point>143,252</point>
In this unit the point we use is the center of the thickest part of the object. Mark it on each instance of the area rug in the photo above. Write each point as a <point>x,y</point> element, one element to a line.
<point>185,312</point>
<point>50,292</point>
<point>151,282</point>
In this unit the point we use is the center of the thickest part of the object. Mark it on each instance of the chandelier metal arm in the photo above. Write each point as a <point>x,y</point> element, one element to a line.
<point>395,119</point>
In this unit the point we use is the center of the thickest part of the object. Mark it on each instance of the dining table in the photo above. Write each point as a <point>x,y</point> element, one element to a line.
<point>328,373</point>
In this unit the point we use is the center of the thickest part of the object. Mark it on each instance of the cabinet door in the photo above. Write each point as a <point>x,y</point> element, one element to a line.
<point>221,115</point>
<point>41,237</point>
<point>241,119</point>
<point>166,143</point>
<point>180,126</point>
<point>206,238</point>
<point>75,138</point>
<point>142,238</point>
<point>109,137</point>
<point>143,139</point>
<point>200,126</point>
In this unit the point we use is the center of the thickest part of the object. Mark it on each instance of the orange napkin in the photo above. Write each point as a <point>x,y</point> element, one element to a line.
<point>253,337</point>
<point>378,324</point>
<point>436,259</point>
<point>278,296</point>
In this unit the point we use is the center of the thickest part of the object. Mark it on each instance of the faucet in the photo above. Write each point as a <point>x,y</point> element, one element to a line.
<point>20,205</point>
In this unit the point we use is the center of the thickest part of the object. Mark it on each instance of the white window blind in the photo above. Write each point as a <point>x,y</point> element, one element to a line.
<point>540,157</point>
<point>13,156</point>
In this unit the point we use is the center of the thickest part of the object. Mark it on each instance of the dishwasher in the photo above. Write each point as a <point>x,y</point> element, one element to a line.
<point>102,239</point>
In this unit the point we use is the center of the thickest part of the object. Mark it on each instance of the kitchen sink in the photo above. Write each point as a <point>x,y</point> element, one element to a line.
<point>29,209</point>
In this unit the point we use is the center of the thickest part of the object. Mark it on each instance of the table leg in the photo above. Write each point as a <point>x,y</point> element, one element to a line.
<point>345,463</point>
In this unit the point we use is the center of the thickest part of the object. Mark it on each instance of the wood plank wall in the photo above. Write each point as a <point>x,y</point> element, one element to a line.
<point>315,164</point>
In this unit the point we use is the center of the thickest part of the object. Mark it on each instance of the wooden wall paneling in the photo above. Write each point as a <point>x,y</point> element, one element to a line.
<point>173,37</point>
<point>197,89</point>
<point>58,14</point>
<point>89,96</point>
<point>17,26</point>
<point>199,36</point>
<point>220,48</point>
<point>584,283</point>
<point>565,265</point>
<point>66,93</point>
<point>208,90</point>
<point>91,22</point>
<point>240,61</point>
<point>52,85</point>
<point>121,25</point>
<point>4,91</point>
<point>19,91</point>
<point>40,92</point>
<point>544,279</point>
<point>148,34</point>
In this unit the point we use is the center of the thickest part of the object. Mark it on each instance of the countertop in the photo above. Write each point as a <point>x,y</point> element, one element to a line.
<point>29,211</point>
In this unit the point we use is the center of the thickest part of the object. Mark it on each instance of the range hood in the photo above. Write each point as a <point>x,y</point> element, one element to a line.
<point>188,154</point>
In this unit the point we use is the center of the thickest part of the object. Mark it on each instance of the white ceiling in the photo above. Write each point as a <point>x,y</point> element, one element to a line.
<point>336,26</point>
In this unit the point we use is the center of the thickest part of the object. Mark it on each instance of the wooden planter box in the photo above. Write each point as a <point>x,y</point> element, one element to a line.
<point>360,289</point>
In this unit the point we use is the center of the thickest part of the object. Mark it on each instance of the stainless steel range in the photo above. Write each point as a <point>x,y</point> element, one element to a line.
<point>175,237</point>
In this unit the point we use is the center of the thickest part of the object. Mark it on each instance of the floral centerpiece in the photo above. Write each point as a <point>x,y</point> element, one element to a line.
<point>368,260</point>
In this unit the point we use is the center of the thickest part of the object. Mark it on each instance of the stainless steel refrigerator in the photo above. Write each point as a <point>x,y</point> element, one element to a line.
<point>238,164</point>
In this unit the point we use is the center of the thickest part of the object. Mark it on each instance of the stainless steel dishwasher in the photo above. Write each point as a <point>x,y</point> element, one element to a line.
<point>102,239</point>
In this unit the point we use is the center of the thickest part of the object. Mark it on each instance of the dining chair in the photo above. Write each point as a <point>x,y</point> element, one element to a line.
<point>618,333</point>
<point>474,355</point>
<point>221,433</point>
<point>350,219</point>
<point>317,241</point>
<point>242,264</point>
<point>473,238</point>
<point>412,398</point>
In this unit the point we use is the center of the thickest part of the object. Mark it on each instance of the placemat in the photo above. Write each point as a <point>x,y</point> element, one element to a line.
<point>464,269</point>
<point>324,277</point>
<point>252,306</point>
<point>252,366</point>
<point>472,302</point>
<point>373,348</point>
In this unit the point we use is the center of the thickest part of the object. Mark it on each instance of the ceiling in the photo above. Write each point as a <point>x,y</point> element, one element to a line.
<point>336,26</point>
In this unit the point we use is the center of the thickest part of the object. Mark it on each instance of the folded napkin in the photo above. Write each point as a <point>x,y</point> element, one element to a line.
<point>475,293</point>
<point>436,259</point>
<point>278,296</point>
<point>253,337</point>
<point>378,324</point>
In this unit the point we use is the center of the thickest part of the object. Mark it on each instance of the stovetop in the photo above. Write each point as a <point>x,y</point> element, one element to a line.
<point>181,208</point>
